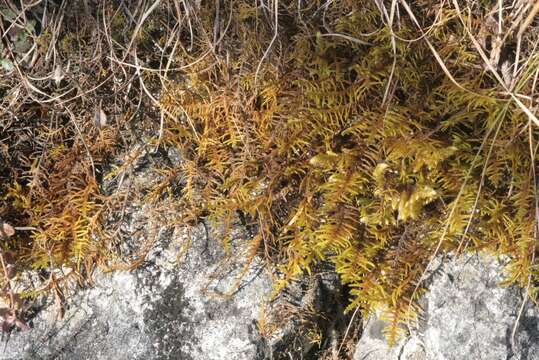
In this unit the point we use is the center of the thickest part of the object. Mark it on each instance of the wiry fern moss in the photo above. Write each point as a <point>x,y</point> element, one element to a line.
<point>61,202</point>
<point>333,153</point>
<point>334,136</point>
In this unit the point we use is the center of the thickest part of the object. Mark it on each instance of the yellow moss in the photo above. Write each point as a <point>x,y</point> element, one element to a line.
<point>334,174</point>
<point>334,139</point>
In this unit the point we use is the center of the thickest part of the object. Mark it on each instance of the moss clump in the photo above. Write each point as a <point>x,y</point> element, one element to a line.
<point>359,152</point>
<point>371,135</point>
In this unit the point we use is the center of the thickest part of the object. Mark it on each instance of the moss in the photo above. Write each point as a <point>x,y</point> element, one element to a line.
<point>331,167</point>
<point>334,138</point>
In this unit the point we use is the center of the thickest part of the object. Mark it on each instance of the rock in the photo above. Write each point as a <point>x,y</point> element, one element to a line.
<point>373,344</point>
<point>467,315</point>
<point>161,310</point>
<point>470,316</point>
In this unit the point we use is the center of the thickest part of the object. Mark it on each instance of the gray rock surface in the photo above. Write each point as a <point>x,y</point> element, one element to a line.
<point>373,344</point>
<point>470,316</point>
<point>159,311</point>
<point>467,316</point>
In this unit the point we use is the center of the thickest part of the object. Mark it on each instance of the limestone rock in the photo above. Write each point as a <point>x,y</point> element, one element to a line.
<point>159,311</point>
<point>373,345</point>
<point>467,315</point>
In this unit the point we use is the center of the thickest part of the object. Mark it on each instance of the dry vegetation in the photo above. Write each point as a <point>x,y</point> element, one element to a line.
<point>373,135</point>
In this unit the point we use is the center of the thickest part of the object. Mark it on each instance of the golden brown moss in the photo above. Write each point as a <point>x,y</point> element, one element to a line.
<point>334,154</point>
